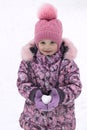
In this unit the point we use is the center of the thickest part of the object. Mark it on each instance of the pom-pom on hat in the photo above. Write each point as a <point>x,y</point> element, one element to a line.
<point>48,27</point>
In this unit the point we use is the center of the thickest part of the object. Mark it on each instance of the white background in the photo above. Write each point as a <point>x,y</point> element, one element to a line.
<point>17,20</point>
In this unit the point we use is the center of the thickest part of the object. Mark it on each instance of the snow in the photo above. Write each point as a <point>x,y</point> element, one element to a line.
<point>17,21</point>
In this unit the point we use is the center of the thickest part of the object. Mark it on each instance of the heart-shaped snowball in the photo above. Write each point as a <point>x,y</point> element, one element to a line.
<point>46,99</point>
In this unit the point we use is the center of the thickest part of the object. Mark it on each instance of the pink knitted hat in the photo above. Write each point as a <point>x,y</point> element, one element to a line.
<point>48,27</point>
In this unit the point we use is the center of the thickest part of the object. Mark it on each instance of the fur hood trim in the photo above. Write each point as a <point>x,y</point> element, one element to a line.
<point>27,55</point>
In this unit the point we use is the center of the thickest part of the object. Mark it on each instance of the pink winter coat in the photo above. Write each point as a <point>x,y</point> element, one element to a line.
<point>46,72</point>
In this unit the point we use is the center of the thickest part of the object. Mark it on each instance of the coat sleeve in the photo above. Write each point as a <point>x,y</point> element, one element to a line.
<point>24,83</point>
<point>69,81</point>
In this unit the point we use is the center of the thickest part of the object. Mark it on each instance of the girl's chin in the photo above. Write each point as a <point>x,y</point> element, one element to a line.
<point>46,53</point>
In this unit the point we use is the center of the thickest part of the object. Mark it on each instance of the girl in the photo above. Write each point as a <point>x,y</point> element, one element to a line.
<point>48,77</point>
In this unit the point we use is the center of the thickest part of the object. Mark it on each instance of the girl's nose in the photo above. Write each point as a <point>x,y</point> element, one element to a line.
<point>48,45</point>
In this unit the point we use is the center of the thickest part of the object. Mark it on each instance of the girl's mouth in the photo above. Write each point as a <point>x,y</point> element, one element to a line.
<point>47,51</point>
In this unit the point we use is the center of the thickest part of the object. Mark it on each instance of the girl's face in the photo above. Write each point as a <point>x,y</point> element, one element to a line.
<point>47,47</point>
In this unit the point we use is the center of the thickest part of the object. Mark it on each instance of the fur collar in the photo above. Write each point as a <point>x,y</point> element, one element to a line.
<point>27,54</point>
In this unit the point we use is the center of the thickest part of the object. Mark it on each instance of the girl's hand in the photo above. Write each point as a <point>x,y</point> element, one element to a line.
<point>55,100</point>
<point>38,101</point>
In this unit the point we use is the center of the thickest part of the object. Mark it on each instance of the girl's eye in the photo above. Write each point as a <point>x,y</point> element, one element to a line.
<point>52,42</point>
<point>42,43</point>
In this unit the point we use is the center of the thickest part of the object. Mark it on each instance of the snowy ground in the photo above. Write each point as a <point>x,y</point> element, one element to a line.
<point>17,20</point>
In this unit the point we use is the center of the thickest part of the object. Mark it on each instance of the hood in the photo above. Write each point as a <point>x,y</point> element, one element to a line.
<point>70,54</point>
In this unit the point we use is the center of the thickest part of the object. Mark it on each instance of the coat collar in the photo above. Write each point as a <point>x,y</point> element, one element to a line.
<point>48,59</point>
